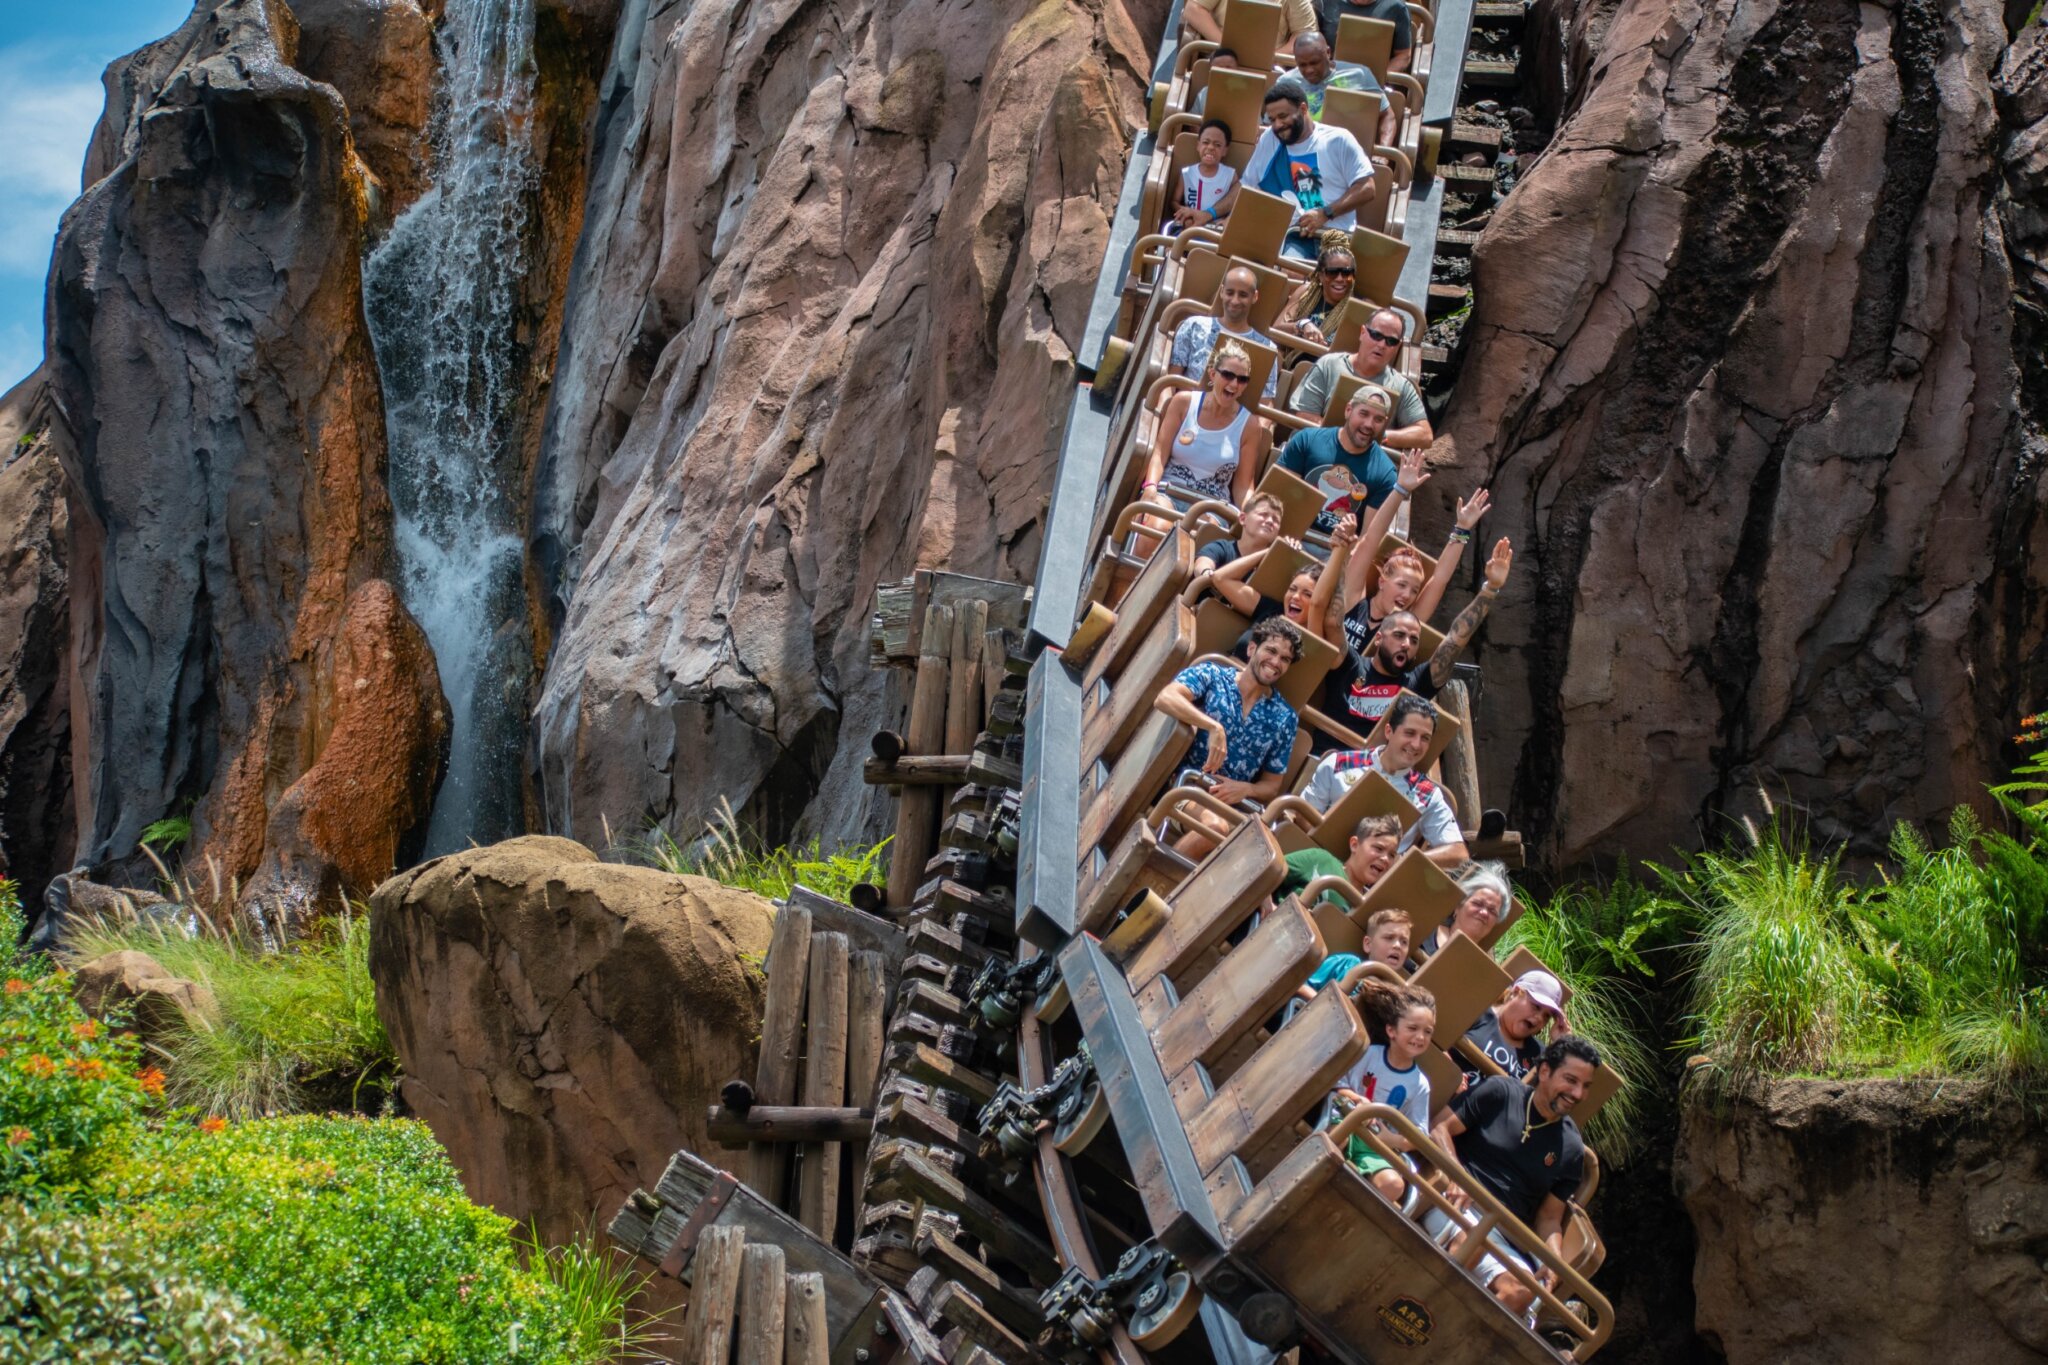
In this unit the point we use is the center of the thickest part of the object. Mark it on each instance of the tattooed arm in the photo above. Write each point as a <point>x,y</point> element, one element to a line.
<point>1469,620</point>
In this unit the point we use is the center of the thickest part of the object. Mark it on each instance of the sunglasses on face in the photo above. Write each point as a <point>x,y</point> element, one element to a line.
<point>1233,377</point>
<point>1383,338</point>
<point>1340,272</point>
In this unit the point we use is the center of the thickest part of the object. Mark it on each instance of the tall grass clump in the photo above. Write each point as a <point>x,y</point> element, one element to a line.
<point>728,852</point>
<point>289,1031</point>
<point>597,1286</point>
<point>1602,942</point>
<point>1775,983</point>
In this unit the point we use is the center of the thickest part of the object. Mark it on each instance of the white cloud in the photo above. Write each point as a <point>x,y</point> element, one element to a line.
<point>46,120</point>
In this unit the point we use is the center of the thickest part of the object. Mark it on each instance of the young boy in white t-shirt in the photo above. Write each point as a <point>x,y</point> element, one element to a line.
<point>1391,1074</point>
<point>1203,184</point>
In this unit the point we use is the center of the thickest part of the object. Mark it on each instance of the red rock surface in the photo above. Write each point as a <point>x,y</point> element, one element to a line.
<point>1741,376</point>
<point>819,333</point>
<point>336,830</point>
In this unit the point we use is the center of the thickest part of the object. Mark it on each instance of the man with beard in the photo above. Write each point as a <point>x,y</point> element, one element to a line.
<point>1320,169</point>
<point>1359,690</point>
<point>1244,730</point>
<point>1320,75</point>
<point>1519,1142</point>
<point>1353,447</point>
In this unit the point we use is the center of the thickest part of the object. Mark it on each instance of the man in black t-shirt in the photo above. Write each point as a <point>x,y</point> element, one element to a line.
<point>1519,1143</point>
<point>1359,690</point>
<point>1509,1033</point>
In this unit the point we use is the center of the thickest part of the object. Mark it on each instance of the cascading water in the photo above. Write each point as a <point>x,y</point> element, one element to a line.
<point>441,293</point>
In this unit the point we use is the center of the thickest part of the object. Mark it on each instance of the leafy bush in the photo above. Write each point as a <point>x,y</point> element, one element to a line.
<point>14,932</point>
<point>293,1030</point>
<point>1602,942</point>
<point>737,857</point>
<point>352,1236</point>
<point>81,1292</point>
<point>69,1087</point>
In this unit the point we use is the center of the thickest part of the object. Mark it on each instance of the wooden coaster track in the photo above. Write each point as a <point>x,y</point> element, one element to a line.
<point>1045,1104</point>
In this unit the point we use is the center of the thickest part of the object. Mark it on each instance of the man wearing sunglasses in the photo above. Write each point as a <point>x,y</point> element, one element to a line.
<point>1379,343</point>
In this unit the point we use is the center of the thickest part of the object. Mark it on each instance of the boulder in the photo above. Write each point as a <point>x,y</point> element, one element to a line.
<point>207,344</point>
<point>1740,374</point>
<point>562,1023</point>
<point>73,898</point>
<point>336,831</point>
<point>157,1001</point>
<point>1841,1223</point>
<point>820,331</point>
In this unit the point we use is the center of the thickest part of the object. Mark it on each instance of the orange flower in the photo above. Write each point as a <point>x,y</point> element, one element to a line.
<point>15,985</point>
<point>87,1068</point>
<point>17,1136</point>
<point>89,1029</point>
<point>212,1123</point>
<point>39,1066</point>
<point>152,1082</point>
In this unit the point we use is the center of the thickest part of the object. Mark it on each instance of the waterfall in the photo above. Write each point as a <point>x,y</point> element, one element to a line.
<point>441,293</point>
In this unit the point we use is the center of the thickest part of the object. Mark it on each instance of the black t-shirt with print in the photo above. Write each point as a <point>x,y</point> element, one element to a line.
<point>1358,691</point>
<point>1218,552</point>
<point>1360,625</point>
<point>1511,1150</point>
<point>1518,1060</point>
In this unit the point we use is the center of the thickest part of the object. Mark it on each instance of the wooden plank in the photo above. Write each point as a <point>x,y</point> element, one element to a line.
<point>806,1339</point>
<point>714,1295</point>
<point>954,1303</point>
<point>1460,757</point>
<point>763,1292</point>
<point>865,933</point>
<point>1014,1308</point>
<point>782,1018</point>
<point>934,770</point>
<point>789,1123</point>
<point>1245,990</point>
<point>995,668</point>
<point>964,713</point>
<point>824,1078</point>
<point>913,1174</point>
<point>925,731</point>
<point>1486,73</point>
<point>926,1063</point>
<point>1280,1083</point>
<point>866,1007</point>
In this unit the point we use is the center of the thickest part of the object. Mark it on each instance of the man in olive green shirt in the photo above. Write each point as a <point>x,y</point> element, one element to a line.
<point>1372,852</point>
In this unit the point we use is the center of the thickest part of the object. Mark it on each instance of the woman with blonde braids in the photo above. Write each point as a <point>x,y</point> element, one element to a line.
<point>1311,310</point>
<point>1210,445</point>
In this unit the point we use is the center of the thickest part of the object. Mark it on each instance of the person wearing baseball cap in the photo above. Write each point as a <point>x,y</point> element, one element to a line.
<point>1511,1033</point>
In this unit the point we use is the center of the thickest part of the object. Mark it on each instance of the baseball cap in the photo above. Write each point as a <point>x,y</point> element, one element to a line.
<point>1544,989</point>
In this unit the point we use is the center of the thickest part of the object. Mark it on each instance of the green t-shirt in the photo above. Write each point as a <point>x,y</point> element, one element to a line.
<point>1307,865</point>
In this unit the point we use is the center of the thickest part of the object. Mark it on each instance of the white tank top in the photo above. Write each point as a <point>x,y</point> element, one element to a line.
<point>1205,461</point>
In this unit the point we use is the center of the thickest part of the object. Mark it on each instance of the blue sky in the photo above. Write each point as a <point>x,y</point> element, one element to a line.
<point>51,56</point>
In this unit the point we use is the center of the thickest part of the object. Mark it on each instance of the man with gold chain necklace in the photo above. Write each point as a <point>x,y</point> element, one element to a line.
<point>1518,1140</point>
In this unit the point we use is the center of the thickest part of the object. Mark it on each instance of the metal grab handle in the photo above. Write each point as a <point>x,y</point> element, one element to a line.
<point>1286,807</point>
<point>1225,514</point>
<point>1404,166</point>
<point>1492,1215</point>
<point>1377,971</point>
<point>1199,796</point>
<point>1310,894</point>
<point>1192,593</point>
<point>1126,518</point>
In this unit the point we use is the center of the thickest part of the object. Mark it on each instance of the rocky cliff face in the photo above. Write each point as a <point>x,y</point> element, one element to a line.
<point>208,350</point>
<point>819,333</point>
<point>1842,1223</point>
<point>1742,378</point>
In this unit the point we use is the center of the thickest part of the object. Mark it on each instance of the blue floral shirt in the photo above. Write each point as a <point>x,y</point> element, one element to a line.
<point>1255,742</point>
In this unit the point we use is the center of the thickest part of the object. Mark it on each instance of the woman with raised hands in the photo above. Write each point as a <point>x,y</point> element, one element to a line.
<point>1405,581</point>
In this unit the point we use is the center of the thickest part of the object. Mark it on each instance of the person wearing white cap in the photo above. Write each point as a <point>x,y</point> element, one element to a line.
<point>1511,1032</point>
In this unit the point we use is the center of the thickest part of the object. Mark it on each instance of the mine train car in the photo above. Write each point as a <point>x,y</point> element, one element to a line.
<point>1100,1125</point>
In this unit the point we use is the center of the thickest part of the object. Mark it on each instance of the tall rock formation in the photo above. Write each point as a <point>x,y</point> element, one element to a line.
<point>1741,377</point>
<point>819,333</point>
<point>207,348</point>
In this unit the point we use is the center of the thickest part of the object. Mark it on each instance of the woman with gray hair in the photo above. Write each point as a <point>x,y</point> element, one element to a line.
<point>1488,899</point>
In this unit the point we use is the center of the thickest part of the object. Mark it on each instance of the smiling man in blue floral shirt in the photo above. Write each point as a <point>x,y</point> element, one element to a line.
<point>1244,730</point>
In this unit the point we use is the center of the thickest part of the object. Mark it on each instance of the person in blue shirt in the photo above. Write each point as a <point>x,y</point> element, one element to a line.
<point>1368,471</point>
<point>1244,729</point>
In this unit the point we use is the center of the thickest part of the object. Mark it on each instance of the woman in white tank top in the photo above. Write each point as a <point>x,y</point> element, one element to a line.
<point>1209,443</point>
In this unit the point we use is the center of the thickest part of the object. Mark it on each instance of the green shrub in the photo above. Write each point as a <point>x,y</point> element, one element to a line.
<point>14,932</point>
<point>1600,940</point>
<point>737,857</point>
<point>69,1088</point>
<point>352,1236</point>
<point>1775,985</point>
<point>292,1031</point>
<point>81,1292</point>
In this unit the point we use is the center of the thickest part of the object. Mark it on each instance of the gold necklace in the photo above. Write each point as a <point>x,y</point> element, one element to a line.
<point>1529,1125</point>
